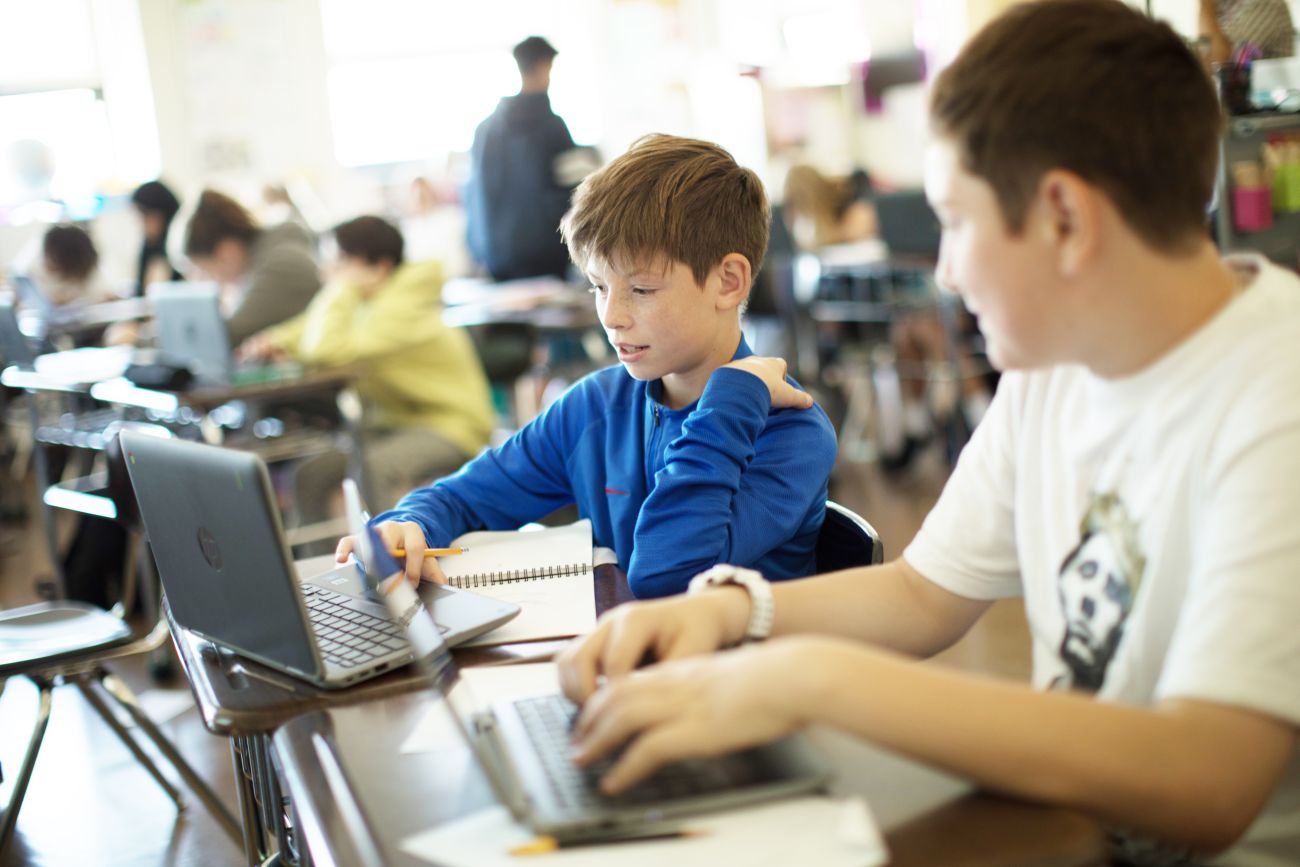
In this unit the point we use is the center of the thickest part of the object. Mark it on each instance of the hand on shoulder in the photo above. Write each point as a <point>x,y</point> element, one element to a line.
<point>772,373</point>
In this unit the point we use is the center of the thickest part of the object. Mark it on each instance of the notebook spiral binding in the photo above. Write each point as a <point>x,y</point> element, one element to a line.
<point>515,576</point>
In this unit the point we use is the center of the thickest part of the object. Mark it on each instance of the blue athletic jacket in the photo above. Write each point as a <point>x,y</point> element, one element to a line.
<point>724,480</point>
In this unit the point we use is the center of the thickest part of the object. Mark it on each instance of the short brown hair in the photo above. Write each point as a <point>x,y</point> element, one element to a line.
<point>69,252</point>
<point>217,217</point>
<point>373,239</point>
<point>1098,89</point>
<point>681,198</point>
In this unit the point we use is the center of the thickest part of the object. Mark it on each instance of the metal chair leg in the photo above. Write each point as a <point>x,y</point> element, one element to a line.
<point>10,818</point>
<point>85,683</point>
<point>114,686</point>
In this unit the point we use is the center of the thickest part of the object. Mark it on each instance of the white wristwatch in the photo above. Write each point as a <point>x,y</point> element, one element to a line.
<point>761,606</point>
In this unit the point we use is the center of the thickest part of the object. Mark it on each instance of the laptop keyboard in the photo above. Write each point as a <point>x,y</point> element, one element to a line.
<point>549,722</point>
<point>346,635</point>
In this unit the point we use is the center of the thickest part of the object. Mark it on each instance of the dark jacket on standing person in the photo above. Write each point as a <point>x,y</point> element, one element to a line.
<point>513,203</point>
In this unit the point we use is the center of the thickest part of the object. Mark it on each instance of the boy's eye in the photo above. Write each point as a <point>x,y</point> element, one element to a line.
<point>641,290</point>
<point>596,290</point>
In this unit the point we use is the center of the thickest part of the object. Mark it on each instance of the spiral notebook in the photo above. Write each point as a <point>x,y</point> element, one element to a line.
<point>546,571</point>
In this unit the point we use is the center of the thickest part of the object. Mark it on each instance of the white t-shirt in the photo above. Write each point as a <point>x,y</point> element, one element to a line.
<point>1152,524</point>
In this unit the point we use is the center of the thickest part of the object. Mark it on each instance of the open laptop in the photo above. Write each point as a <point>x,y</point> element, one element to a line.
<point>522,747</point>
<point>15,349</point>
<point>907,225</point>
<point>192,332</point>
<point>212,521</point>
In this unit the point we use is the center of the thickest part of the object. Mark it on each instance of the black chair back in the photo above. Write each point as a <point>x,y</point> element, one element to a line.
<point>847,540</point>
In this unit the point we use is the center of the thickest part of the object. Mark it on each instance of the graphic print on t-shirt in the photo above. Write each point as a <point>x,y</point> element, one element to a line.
<point>1096,586</point>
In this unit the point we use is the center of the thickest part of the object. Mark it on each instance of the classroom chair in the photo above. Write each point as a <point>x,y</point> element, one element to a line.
<point>68,642</point>
<point>846,540</point>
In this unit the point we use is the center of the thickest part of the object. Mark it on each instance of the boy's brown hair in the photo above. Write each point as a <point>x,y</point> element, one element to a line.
<point>679,198</point>
<point>69,252</point>
<point>217,217</point>
<point>372,239</point>
<point>1098,89</point>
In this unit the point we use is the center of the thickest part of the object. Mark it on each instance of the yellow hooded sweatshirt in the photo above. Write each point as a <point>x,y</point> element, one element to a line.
<point>411,370</point>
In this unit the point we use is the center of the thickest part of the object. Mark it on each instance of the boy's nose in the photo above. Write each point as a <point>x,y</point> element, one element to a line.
<point>615,314</point>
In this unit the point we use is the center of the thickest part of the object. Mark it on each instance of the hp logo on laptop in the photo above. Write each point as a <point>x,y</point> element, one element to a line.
<point>211,550</point>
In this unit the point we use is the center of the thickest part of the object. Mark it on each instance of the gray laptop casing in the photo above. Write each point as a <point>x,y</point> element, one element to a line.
<point>216,536</point>
<point>192,331</point>
<point>786,767</point>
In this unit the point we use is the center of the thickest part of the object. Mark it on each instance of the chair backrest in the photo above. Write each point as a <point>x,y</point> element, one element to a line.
<point>847,540</point>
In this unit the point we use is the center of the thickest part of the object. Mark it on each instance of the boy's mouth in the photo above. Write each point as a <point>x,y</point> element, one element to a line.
<point>629,351</point>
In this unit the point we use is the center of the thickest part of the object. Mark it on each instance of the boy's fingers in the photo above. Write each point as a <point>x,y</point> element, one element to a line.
<point>413,542</point>
<point>432,571</point>
<point>624,648</point>
<point>577,666</point>
<point>343,549</point>
<point>655,747</point>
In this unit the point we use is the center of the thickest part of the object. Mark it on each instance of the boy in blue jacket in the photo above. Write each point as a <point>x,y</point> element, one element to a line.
<point>692,451</point>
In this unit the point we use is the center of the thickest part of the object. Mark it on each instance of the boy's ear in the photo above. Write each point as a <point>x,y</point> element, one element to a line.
<point>736,276</point>
<point>1069,219</point>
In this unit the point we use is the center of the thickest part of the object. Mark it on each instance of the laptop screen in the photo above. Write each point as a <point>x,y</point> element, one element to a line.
<point>14,347</point>
<point>907,224</point>
<point>191,329</point>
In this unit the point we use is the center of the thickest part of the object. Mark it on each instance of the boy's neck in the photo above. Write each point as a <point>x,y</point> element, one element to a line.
<point>1154,304</point>
<point>684,388</point>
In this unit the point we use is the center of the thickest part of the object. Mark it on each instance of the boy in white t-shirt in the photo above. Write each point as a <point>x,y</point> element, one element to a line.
<point>1136,480</point>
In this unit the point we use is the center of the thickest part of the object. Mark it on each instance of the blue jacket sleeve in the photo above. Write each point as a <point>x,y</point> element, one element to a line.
<point>736,484</point>
<point>521,480</point>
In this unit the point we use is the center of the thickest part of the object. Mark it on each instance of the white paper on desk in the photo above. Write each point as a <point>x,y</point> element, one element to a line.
<point>559,603</point>
<point>810,830</point>
<point>485,686</point>
<point>554,608</point>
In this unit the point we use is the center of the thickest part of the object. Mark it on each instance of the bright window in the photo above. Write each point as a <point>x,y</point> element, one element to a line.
<point>76,115</point>
<point>410,79</point>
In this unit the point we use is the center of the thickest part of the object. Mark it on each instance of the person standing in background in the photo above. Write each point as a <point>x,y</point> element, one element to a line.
<point>156,206</point>
<point>513,201</point>
<point>275,267</point>
<point>1231,25</point>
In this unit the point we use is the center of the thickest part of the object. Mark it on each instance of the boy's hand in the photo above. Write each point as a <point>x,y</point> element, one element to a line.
<point>664,629</point>
<point>260,348</point>
<point>772,372</point>
<point>400,534</point>
<point>689,708</point>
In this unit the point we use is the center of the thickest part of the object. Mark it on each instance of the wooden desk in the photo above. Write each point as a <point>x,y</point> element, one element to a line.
<point>546,303</point>
<point>354,797</point>
<point>247,701</point>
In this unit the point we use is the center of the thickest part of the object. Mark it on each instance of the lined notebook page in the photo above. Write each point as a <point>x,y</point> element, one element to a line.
<point>512,556</point>
<point>546,572</point>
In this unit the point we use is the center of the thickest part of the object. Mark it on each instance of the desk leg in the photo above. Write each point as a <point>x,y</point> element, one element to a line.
<point>43,482</point>
<point>252,828</point>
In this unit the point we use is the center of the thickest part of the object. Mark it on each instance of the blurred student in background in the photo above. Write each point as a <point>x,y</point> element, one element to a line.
<point>156,205</point>
<point>65,273</point>
<point>272,271</point>
<point>824,211</point>
<point>426,408</point>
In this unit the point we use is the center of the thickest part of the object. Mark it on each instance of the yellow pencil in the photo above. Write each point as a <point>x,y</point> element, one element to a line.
<point>433,552</point>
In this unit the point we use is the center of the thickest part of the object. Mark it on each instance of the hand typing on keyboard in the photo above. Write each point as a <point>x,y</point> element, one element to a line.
<point>659,630</point>
<point>689,708</point>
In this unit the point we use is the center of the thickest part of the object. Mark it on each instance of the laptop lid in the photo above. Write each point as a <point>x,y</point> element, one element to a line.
<point>15,349</point>
<point>908,226</point>
<point>191,329</point>
<point>215,531</point>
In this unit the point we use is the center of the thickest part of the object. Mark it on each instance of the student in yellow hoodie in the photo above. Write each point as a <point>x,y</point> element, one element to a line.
<point>426,405</point>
